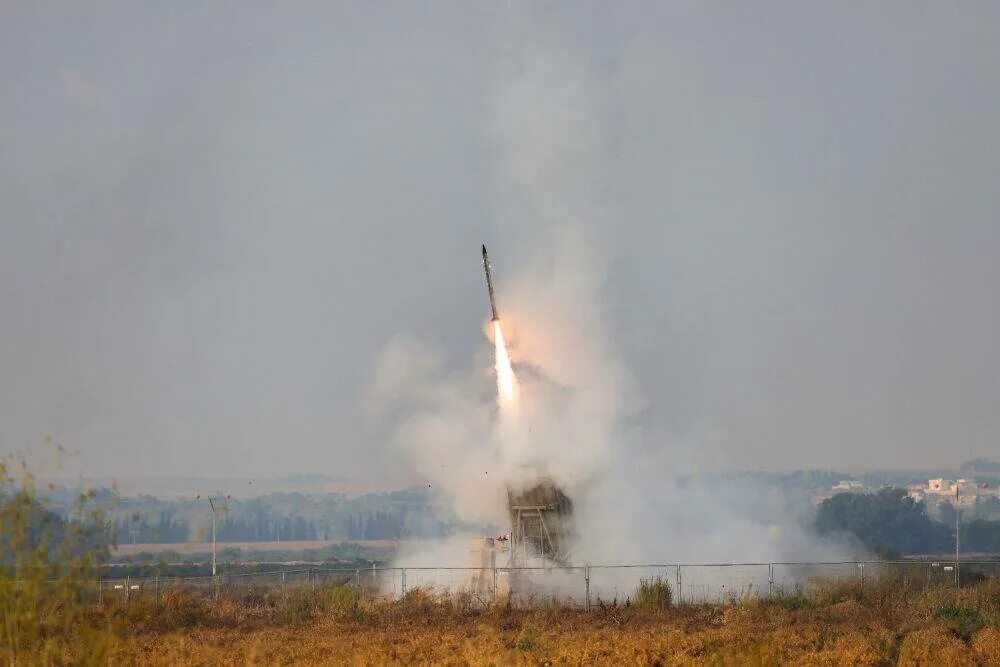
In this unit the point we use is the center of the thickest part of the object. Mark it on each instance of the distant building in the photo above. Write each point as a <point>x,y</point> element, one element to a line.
<point>943,487</point>
<point>843,486</point>
<point>960,491</point>
<point>848,486</point>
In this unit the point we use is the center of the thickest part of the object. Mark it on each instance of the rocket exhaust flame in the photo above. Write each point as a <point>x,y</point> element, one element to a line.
<point>506,382</point>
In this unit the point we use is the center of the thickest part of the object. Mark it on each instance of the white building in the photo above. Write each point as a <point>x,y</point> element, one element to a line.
<point>945,490</point>
<point>848,486</point>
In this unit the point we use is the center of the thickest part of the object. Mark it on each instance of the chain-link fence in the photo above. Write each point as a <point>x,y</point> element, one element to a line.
<point>581,586</point>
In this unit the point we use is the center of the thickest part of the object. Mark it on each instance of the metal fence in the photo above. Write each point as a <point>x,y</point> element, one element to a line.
<point>581,586</point>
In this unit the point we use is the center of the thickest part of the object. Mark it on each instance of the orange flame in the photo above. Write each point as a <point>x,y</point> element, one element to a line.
<point>506,382</point>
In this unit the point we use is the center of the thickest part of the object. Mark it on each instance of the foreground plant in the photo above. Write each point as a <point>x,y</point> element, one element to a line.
<point>48,569</point>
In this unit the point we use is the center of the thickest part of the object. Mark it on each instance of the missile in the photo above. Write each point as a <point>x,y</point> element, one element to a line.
<point>489,284</point>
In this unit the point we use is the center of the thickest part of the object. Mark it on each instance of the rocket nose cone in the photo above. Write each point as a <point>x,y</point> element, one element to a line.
<point>484,249</point>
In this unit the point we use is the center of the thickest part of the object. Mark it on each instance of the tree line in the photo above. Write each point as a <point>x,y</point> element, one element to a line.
<point>890,523</point>
<point>169,529</point>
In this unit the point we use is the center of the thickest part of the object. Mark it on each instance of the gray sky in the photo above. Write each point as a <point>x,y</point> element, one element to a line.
<point>216,216</point>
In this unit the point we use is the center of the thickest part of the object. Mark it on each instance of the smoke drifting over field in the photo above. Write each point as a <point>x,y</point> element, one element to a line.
<point>792,243</point>
<point>636,501</point>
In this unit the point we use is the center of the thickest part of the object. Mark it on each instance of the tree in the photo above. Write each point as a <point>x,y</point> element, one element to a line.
<point>981,536</point>
<point>888,521</point>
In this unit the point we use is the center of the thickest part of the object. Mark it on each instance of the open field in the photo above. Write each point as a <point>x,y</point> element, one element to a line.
<point>205,547</point>
<point>243,487</point>
<point>833,624</point>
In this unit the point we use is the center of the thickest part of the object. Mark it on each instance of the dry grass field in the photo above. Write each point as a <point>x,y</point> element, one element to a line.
<point>337,625</point>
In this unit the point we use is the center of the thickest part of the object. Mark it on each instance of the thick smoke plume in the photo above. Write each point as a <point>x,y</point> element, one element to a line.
<point>636,501</point>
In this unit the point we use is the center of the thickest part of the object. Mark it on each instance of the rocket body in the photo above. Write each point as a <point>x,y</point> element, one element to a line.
<point>489,284</point>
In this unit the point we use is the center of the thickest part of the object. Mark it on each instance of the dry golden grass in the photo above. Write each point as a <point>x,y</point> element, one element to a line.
<point>335,625</point>
<point>785,637</point>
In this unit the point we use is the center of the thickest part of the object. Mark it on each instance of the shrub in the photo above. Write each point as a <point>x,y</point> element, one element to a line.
<point>300,605</point>
<point>527,640</point>
<point>653,595</point>
<point>47,568</point>
<point>791,601</point>
<point>419,602</point>
<point>344,602</point>
<point>827,592</point>
<point>961,620</point>
<point>176,609</point>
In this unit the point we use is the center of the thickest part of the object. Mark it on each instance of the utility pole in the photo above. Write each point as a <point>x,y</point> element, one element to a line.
<point>218,504</point>
<point>958,581</point>
<point>211,503</point>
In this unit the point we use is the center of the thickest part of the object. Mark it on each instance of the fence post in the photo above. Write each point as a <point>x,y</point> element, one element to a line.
<point>862,566</point>
<point>100,591</point>
<point>282,580</point>
<point>402,578</point>
<point>156,588</point>
<point>770,579</point>
<point>128,587</point>
<point>494,582</point>
<point>680,596</point>
<point>357,577</point>
<point>586,579</point>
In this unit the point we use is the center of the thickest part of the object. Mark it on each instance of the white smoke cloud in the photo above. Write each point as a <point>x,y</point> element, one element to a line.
<point>576,395</point>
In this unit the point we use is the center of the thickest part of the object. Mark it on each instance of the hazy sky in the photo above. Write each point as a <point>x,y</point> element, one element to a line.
<point>215,216</point>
